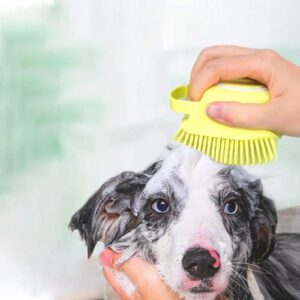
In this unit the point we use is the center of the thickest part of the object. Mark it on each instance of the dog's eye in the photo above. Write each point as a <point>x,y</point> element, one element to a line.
<point>160,206</point>
<point>231,207</point>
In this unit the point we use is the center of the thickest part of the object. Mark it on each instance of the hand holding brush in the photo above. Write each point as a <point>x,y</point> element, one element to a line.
<point>281,114</point>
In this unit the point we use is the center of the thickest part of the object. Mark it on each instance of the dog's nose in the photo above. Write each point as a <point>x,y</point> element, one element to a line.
<point>201,263</point>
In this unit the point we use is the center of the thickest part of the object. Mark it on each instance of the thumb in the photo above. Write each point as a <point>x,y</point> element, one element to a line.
<point>251,116</point>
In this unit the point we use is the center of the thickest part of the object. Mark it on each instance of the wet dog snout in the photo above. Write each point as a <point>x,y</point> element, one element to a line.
<point>201,263</point>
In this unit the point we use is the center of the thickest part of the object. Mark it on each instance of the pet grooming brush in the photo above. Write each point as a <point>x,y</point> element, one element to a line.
<point>224,144</point>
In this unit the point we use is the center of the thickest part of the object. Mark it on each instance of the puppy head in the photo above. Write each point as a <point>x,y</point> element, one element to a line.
<point>221,221</point>
<point>200,222</point>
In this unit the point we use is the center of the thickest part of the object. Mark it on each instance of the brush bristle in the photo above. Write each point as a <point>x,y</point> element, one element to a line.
<point>229,151</point>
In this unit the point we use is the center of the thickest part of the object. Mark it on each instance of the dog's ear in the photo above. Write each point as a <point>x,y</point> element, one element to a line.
<point>263,228</point>
<point>108,214</point>
<point>82,221</point>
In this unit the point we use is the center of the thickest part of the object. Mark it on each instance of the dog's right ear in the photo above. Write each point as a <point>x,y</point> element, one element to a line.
<point>82,221</point>
<point>263,229</point>
<point>108,214</point>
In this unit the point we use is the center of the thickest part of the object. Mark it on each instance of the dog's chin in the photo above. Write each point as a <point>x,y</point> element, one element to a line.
<point>194,290</point>
<point>198,293</point>
<point>201,289</point>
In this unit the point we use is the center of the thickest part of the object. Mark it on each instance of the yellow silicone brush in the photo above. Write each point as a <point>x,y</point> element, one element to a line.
<point>224,144</point>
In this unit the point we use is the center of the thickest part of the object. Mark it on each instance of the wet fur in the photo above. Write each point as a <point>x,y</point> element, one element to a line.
<point>120,215</point>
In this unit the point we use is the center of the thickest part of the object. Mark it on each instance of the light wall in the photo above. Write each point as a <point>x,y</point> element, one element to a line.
<point>85,97</point>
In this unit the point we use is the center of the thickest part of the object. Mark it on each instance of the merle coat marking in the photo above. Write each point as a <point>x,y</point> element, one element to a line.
<point>205,206</point>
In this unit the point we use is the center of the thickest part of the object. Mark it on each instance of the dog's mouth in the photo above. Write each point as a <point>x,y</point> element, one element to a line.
<point>201,289</point>
<point>204,288</point>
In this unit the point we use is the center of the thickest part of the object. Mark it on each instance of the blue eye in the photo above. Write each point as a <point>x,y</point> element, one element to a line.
<point>160,206</point>
<point>231,207</point>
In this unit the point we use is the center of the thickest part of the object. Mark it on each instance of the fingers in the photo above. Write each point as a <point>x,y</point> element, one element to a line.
<point>252,116</point>
<point>229,68</point>
<point>144,276</point>
<point>113,279</point>
<point>217,52</point>
<point>229,63</point>
<point>219,63</point>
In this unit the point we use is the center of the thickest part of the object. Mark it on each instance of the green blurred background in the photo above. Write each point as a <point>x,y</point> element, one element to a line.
<point>83,95</point>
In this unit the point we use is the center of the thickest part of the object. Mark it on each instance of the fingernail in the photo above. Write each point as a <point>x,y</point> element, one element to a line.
<point>216,111</point>
<point>106,258</point>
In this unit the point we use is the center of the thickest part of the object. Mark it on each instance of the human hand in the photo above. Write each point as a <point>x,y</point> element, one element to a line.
<point>281,114</point>
<point>143,275</point>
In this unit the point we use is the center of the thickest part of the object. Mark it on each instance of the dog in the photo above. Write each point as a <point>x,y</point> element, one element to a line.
<point>208,228</point>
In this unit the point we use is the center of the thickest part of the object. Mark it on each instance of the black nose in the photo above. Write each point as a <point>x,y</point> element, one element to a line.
<point>199,263</point>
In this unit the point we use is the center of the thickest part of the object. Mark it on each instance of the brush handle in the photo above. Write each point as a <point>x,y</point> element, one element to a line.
<point>180,103</point>
<point>225,91</point>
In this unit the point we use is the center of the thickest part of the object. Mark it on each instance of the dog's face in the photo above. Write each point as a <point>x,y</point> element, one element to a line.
<point>200,222</point>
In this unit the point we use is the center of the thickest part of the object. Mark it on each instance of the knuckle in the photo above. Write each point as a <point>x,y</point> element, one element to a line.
<point>193,90</point>
<point>237,115</point>
<point>146,280</point>
<point>243,119</point>
<point>210,67</point>
<point>204,53</point>
<point>207,52</point>
<point>268,54</point>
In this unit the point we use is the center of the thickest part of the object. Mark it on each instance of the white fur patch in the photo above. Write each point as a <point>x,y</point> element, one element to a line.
<point>200,223</point>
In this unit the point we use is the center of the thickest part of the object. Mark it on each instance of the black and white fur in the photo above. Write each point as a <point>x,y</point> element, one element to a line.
<point>255,263</point>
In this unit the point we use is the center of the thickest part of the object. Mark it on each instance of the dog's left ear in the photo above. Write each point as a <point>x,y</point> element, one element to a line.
<point>263,226</point>
<point>108,214</point>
